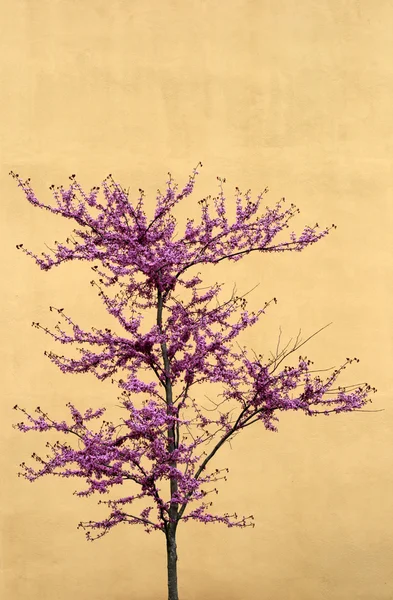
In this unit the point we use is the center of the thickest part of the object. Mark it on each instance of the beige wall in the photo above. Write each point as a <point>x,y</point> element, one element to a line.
<point>293,95</point>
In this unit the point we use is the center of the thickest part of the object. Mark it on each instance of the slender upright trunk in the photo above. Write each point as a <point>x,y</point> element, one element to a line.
<point>172,563</point>
<point>172,445</point>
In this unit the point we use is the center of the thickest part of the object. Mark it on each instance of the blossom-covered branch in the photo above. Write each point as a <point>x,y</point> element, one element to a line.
<point>162,446</point>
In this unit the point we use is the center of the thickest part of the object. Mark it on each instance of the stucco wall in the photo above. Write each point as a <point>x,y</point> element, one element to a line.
<point>295,96</point>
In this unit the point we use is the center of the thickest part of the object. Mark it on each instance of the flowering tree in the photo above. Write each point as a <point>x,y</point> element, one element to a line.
<point>161,448</point>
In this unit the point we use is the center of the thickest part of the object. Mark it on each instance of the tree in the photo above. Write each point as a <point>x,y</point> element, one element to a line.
<point>162,446</point>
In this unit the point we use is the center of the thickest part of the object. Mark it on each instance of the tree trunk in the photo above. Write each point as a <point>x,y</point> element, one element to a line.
<point>172,563</point>
<point>173,440</point>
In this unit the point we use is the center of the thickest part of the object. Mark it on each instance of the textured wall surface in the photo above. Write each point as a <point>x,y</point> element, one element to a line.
<point>295,96</point>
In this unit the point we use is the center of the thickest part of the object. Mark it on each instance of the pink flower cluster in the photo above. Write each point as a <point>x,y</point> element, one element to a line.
<point>168,436</point>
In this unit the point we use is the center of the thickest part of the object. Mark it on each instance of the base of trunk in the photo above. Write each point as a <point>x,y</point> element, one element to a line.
<point>172,566</point>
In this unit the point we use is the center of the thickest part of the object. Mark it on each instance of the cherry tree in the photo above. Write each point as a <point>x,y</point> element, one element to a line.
<point>155,464</point>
